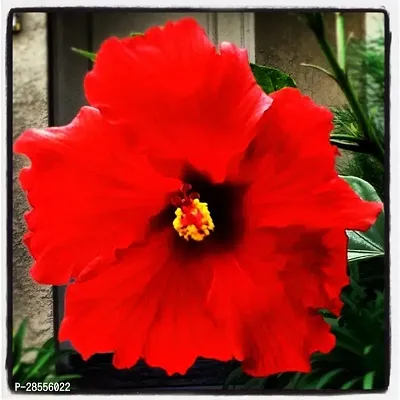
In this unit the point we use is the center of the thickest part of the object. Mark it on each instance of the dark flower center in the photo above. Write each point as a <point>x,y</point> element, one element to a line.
<point>221,230</point>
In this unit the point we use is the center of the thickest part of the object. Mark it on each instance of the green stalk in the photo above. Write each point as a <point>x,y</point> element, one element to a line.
<point>340,40</point>
<point>316,24</point>
<point>353,139</point>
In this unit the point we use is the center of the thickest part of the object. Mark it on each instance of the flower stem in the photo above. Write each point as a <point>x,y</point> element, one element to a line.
<point>340,40</point>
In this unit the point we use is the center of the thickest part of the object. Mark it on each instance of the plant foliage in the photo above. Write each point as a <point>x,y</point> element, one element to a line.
<point>365,67</point>
<point>36,364</point>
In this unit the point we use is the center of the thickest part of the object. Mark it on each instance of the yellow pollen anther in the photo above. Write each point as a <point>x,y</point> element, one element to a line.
<point>193,221</point>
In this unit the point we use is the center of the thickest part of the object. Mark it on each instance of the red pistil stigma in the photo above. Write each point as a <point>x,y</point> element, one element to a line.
<point>177,201</point>
<point>187,198</point>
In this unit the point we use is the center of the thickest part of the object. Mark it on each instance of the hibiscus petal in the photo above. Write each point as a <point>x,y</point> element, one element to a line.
<point>271,331</point>
<point>90,194</point>
<point>315,270</point>
<point>294,163</point>
<point>147,304</point>
<point>183,98</point>
<point>283,339</point>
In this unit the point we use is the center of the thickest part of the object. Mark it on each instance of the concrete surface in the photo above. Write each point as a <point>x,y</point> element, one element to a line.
<point>29,110</point>
<point>284,42</point>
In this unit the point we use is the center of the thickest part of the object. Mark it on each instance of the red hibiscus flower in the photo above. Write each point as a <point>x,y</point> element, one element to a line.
<point>194,214</point>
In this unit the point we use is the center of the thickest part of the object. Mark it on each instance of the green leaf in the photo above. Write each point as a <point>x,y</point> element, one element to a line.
<point>347,138</point>
<point>340,40</point>
<point>350,383</point>
<point>333,322</point>
<point>19,371</point>
<point>234,378</point>
<point>42,364</point>
<point>84,53</point>
<point>346,345</point>
<point>294,381</point>
<point>18,343</point>
<point>367,349</point>
<point>47,347</point>
<point>255,383</point>
<point>16,368</point>
<point>62,378</point>
<point>271,79</point>
<point>368,380</point>
<point>363,188</point>
<point>309,380</point>
<point>354,272</point>
<point>369,244</point>
<point>345,334</point>
<point>327,377</point>
<point>136,34</point>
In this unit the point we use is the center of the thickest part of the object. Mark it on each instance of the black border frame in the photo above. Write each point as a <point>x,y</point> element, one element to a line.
<point>9,197</point>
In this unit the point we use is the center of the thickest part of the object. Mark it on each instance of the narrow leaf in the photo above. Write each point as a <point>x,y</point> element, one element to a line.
<point>18,342</point>
<point>255,383</point>
<point>347,138</point>
<point>46,361</point>
<point>84,53</point>
<point>234,377</point>
<point>309,381</point>
<point>47,347</point>
<point>367,349</point>
<point>350,383</point>
<point>346,145</point>
<point>340,40</point>
<point>328,377</point>
<point>348,346</point>
<point>62,378</point>
<point>317,67</point>
<point>368,380</point>
<point>16,369</point>
<point>294,381</point>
